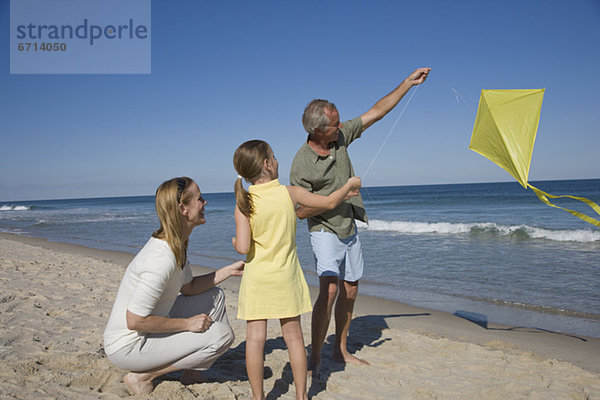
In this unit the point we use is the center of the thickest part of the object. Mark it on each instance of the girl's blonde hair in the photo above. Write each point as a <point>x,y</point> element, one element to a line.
<point>248,161</point>
<point>169,195</point>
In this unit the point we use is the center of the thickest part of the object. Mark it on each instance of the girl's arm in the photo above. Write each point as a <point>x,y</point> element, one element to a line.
<point>303,212</point>
<point>241,241</point>
<point>302,196</point>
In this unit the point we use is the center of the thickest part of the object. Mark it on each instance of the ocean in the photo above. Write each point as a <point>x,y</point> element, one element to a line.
<point>488,252</point>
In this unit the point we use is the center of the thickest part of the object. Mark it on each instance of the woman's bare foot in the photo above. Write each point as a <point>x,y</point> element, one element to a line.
<point>138,384</point>
<point>191,376</point>
<point>348,358</point>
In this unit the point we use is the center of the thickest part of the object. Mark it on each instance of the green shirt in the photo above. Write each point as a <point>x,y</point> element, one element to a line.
<point>324,175</point>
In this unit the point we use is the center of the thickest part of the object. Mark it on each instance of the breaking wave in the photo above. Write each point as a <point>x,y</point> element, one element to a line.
<point>14,208</point>
<point>519,232</point>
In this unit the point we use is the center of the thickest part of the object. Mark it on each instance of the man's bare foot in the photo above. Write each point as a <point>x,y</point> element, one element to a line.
<point>348,358</point>
<point>192,376</point>
<point>314,370</point>
<point>137,385</point>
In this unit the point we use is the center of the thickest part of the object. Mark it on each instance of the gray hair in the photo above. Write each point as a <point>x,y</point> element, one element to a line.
<point>314,115</point>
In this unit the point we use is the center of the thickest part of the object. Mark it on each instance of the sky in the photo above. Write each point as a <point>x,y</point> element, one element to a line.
<point>223,72</point>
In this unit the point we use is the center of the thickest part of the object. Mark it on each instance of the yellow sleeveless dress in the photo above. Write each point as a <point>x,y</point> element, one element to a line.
<point>273,285</point>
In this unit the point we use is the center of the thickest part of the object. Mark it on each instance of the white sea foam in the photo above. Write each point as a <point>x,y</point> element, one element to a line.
<point>524,231</point>
<point>109,218</point>
<point>14,208</point>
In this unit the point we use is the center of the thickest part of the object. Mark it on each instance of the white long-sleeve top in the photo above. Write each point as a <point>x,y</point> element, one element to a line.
<point>150,286</point>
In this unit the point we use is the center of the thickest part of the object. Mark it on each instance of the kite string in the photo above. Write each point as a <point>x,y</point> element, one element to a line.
<point>457,94</point>
<point>389,133</point>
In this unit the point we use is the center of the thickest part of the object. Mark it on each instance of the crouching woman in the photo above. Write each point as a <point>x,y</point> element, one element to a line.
<point>164,319</point>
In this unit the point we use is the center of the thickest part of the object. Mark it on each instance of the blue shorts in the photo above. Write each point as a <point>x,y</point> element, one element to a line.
<point>337,257</point>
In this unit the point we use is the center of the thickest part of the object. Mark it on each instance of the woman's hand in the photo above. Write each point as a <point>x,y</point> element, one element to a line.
<point>156,324</point>
<point>235,269</point>
<point>202,283</point>
<point>199,323</point>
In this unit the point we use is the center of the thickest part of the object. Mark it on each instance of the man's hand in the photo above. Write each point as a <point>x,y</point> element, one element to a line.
<point>388,102</point>
<point>418,76</point>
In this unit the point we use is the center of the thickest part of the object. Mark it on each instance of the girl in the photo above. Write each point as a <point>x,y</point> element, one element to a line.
<point>273,285</point>
<point>152,330</point>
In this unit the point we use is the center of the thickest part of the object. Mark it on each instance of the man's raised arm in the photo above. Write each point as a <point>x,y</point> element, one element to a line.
<point>387,103</point>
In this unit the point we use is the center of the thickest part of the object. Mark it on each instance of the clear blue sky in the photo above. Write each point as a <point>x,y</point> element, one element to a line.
<point>227,71</point>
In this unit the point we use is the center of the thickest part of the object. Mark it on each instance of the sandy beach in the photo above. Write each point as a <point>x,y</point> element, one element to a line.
<point>56,299</point>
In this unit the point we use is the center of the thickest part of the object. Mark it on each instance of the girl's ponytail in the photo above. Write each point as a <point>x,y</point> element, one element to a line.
<point>248,161</point>
<point>242,198</point>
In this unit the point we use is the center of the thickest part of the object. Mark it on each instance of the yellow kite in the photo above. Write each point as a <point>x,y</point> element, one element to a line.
<point>504,132</point>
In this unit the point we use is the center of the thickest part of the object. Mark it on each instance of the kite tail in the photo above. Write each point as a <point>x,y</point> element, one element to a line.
<point>543,196</point>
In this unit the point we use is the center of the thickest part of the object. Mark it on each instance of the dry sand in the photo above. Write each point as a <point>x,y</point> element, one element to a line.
<point>56,299</point>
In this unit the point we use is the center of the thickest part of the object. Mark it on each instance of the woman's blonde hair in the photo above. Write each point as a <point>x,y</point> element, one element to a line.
<point>248,161</point>
<point>169,195</point>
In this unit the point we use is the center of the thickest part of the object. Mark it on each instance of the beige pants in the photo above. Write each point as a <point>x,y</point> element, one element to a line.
<point>186,350</point>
